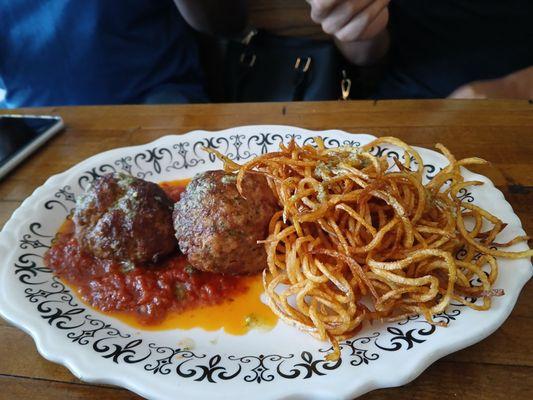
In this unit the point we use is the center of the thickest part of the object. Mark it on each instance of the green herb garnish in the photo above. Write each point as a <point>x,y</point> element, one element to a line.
<point>180,291</point>
<point>251,321</point>
<point>127,266</point>
<point>190,269</point>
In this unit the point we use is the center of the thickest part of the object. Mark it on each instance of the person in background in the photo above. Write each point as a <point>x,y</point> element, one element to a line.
<point>439,48</point>
<point>67,52</point>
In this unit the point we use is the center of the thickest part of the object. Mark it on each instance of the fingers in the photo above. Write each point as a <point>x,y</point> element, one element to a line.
<point>351,20</point>
<point>367,23</point>
<point>377,26</point>
<point>320,9</point>
<point>342,14</point>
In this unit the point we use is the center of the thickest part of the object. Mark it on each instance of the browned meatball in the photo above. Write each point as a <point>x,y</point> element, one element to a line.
<point>125,219</point>
<point>218,229</point>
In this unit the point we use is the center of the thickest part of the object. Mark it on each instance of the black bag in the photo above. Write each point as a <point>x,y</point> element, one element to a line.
<point>267,67</point>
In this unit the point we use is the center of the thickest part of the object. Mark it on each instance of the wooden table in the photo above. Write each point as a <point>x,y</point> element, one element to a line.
<point>500,367</point>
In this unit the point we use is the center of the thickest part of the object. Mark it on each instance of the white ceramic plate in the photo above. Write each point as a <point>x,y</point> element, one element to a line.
<point>279,364</point>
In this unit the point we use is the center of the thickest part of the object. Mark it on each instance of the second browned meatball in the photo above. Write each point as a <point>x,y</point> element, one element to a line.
<point>125,219</point>
<point>217,229</point>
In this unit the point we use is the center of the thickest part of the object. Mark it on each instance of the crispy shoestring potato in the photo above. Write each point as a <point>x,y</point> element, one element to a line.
<point>357,242</point>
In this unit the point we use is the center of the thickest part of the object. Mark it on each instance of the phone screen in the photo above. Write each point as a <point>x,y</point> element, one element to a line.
<point>16,133</point>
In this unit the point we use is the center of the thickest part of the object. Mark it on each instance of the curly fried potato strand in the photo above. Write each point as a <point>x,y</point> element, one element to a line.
<point>355,241</point>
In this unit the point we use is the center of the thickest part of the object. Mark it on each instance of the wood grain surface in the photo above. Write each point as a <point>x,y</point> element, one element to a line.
<point>500,367</point>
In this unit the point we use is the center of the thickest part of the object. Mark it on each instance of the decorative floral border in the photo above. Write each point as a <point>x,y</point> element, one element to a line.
<point>56,304</point>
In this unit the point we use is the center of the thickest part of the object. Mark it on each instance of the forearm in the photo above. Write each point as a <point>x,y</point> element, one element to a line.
<point>365,52</point>
<point>214,16</point>
<point>519,84</point>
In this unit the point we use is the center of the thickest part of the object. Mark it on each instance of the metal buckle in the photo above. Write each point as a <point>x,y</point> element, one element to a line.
<point>248,58</point>
<point>346,85</point>
<point>249,36</point>
<point>306,66</point>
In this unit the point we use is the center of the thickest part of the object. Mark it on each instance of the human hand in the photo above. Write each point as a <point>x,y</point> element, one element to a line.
<point>518,85</point>
<point>351,20</point>
<point>480,90</point>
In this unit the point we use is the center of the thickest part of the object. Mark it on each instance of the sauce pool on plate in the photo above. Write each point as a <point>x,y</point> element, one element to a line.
<point>169,294</point>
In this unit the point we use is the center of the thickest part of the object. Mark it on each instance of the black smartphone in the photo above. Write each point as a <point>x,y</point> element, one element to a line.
<point>21,135</point>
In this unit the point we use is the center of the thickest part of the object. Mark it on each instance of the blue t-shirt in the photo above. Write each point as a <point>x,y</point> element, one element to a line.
<point>439,45</point>
<point>62,52</point>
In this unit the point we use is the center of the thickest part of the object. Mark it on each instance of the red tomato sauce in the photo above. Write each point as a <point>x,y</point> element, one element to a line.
<point>149,291</point>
